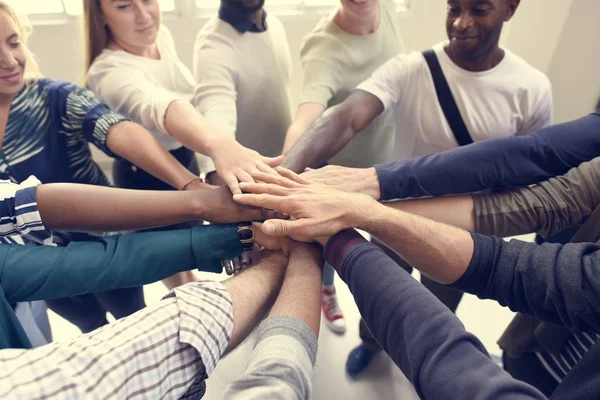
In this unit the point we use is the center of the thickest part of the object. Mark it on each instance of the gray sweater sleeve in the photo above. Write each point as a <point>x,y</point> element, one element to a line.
<point>555,283</point>
<point>546,208</point>
<point>281,364</point>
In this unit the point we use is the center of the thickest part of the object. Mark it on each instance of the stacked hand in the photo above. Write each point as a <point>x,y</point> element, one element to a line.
<point>351,180</point>
<point>236,163</point>
<point>219,207</point>
<point>318,211</point>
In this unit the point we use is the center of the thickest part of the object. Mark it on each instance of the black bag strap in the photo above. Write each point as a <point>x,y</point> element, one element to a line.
<point>451,111</point>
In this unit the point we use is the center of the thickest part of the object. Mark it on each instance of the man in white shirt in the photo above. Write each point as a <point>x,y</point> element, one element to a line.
<point>497,93</point>
<point>242,66</point>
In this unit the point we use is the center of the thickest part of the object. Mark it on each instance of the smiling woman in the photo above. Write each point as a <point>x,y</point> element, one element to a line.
<point>45,130</point>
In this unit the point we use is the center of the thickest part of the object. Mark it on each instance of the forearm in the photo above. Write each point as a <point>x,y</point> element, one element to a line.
<point>189,329</point>
<point>300,295</point>
<point>306,115</point>
<point>191,129</point>
<point>135,144</point>
<point>458,211</point>
<point>293,134</point>
<point>420,334</point>
<point>421,242</point>
<point>286,345</point>
<point>253,292</point>
<point>74,207</point>
<point>324,139</point>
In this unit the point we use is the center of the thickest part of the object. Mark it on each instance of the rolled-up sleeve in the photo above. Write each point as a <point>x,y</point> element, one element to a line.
<point>281,364</point>
<point>164,351</point>
<point>546,208</point>
<point>86,116</point>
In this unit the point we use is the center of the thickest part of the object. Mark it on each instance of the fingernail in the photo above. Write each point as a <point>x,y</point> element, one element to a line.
<point>268,228</point>
<point>237,196</point>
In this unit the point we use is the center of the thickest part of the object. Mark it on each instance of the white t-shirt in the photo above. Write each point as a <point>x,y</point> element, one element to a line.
<point>141,88</point>
<point>511,98</point>
<point>335,62</point>
<point>243,83</point>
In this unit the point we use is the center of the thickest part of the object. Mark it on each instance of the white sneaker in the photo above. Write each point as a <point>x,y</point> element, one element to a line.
<point>331,310</point>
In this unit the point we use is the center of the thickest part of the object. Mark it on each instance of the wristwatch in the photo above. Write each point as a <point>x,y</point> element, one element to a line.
<point>246,235</point>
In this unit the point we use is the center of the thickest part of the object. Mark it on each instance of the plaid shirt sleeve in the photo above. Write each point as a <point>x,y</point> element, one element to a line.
<point>165,351</point>
<point>20,219</point>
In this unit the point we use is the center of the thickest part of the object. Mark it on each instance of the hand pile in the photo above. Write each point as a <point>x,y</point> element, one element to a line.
<point>317,211</point>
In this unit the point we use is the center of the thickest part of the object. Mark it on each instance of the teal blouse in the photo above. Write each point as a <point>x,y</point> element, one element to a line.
<point>33,272</point>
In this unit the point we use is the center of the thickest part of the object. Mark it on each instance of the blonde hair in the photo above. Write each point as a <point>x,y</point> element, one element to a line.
<point>24,30</point>
<point>97,33</point>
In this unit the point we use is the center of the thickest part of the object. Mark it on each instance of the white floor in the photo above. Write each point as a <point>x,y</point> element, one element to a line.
<point>383,380</point>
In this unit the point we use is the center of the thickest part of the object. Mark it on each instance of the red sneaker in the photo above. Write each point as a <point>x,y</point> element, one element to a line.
<point>331,310</point>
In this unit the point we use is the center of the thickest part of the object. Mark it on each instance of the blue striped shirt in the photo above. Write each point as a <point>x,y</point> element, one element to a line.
<point>20,220</point>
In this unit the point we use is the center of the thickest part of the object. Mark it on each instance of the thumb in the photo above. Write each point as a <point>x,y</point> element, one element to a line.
<point>298,229</point>
<point>275,227</point>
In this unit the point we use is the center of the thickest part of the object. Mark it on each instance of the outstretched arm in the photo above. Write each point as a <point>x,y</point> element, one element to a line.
<point>31,272</point>
<point>555,284</point>
<point>489,164</point>
<point>333,130</point>
<point>495,163</point>
<point>185,334</point>
<point>420,334</point>
<point>284,354</point>
<point>74,207</point>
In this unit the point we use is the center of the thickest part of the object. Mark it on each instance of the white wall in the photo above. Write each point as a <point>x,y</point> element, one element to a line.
<point>575,66</point>
<point>536,29</point>
<point>559,37</point>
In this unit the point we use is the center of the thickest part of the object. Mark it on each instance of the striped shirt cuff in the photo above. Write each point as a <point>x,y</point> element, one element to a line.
<point>28,219</point>
<point>206,319</point>
<point>21,220</point>
<point>339,245</point>
<point>103,125</point>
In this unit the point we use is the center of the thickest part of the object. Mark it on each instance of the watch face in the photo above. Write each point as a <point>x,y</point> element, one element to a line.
<point>246,233</point>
